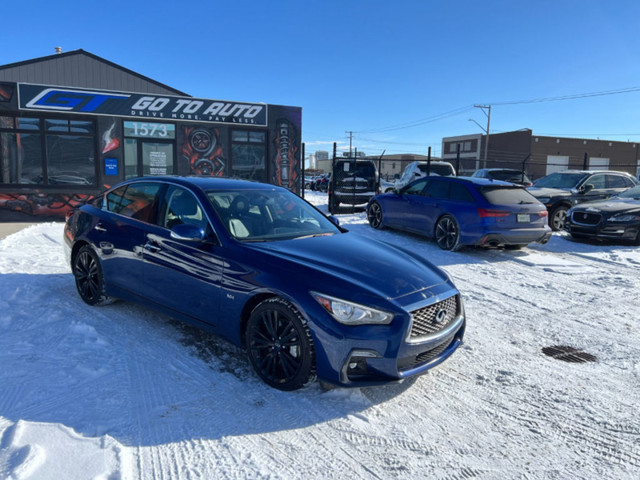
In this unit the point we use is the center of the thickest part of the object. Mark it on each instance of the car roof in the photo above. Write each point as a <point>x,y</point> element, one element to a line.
<point>476,181</point>
<point>592,171</point>
<point>207,183</point>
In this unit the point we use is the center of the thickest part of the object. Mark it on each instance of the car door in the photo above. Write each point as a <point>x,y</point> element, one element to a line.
<point>425,206</point>
<point>119,233</point>
<point>398,207</point>
<point>183,275</point>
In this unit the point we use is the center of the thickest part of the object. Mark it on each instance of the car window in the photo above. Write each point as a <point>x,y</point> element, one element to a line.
<point>507,195</point>
<point>114,200</point>
<point>436,169</point>
<point>415,188</point>
<point>139,201</point>
<point>460,193</point>
<point>631,193</point>
<point>598,181</point>
<point>181,206</point>
<point>437,189</point>
<point>616,181</point>
<point>560,180</point>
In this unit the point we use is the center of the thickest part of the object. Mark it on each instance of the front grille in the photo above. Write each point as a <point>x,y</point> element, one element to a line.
<point>586,218</point>
<point>434,318</point>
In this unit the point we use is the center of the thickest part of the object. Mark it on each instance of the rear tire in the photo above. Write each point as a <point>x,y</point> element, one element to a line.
<point>87,272</point>
<point>447,233</point>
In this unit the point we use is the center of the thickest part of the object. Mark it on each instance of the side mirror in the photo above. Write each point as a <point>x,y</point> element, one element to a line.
<point>334,220</point>
<point>187,232</point>
<point>586,188</point>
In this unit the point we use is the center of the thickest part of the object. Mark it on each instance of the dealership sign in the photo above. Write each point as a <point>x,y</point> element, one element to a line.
<point>101,102</point>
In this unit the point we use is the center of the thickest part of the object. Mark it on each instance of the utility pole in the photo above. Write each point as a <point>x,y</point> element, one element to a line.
<point>486,109</point>
<point>350,141</point>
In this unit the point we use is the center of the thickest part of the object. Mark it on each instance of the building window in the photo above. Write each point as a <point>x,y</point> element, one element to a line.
<point>248,155</point>
<point>20,151</point>
<point>47,151</point>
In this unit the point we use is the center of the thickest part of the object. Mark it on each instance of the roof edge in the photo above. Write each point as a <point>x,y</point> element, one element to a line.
<point>95,57</point>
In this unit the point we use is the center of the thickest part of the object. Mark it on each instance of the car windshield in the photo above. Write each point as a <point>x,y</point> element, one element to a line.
<point>507,195</point>
<point>260,215</point>
<point>436,169</point>
<point>560,180</point>
<point>508,176</point>
<point>631,193</point>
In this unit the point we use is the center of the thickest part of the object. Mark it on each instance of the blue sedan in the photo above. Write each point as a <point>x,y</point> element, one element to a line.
<point>264,269</point>
<point>459,211</point>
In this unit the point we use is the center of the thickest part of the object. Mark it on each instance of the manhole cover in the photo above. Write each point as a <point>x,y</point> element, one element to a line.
<point>568,354</point>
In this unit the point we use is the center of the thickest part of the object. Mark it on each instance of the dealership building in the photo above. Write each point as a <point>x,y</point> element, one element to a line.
<point>72,124</point>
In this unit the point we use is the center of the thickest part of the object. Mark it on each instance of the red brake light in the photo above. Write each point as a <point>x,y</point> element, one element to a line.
<point>488,212</point>
<point>543,213</point>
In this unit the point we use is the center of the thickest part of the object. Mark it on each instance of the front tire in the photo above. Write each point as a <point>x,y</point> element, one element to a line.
<point>447,233</point>
<point>557,218</point>
<point>279,345</point>
<point>87,272</point>
<point>375,216</point>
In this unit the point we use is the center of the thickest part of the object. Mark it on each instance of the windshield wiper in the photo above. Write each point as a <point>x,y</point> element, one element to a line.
<point>325,234</point>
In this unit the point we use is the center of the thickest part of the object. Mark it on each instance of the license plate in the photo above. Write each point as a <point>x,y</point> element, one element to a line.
<point>524,218</point>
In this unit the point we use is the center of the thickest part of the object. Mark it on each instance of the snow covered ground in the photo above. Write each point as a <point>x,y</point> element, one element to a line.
<point>119,392</point>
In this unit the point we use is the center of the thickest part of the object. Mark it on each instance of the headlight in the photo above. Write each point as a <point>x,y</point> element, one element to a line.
<point>351,313</point>
<point>624,217</point>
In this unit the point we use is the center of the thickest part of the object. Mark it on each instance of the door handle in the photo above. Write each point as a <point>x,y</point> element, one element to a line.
<point>99,227</point>
<point>151,247</point>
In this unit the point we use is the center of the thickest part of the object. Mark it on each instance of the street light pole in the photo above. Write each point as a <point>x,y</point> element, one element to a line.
<point>486,143</point>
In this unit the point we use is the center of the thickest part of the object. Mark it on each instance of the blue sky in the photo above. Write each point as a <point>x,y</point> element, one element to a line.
<point>399,74</point>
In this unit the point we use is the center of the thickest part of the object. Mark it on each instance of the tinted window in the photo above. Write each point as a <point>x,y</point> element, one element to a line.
<point>114,199</point>
<point>616,181</point>
<point>139,201</point>
<point>560,180</point>
<point>437,169</point>
<point>415,188</point>
<point>508,176</point>
<point>437,189</point>
<point>460,193</point>
<point>598,181</point>
<point>507,195</point>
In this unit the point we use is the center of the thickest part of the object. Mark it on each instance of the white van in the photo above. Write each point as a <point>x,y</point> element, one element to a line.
<point>415,170</point>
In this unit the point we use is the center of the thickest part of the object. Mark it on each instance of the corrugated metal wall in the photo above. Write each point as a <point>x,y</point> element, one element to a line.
<point>80,70</point>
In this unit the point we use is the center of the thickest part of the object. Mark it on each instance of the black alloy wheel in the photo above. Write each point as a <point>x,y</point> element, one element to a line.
<point>87,272</point>
<point>557,218</point>
<point>447,233</point>
<point>374,215</point>
<point>279,345</point>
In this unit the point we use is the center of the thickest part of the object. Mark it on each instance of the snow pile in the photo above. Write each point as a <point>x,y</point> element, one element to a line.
<point>121,392</point>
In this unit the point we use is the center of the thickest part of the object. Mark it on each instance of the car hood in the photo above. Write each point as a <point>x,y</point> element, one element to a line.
<point>548,192</point>
<point>611,205</point>
<point>375,266</point>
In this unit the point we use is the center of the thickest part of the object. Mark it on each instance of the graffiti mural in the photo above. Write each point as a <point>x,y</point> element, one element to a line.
<point>285,163</point>
<point>203,151</point>
<point>50,204</point>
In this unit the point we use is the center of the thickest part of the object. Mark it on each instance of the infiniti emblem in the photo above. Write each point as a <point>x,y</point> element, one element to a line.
<point>441,315</point>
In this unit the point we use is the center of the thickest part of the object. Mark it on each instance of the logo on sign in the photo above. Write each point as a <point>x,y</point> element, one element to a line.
<point>76,100</point>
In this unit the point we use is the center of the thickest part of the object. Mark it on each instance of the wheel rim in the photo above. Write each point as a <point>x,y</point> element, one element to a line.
<point>375,215</point>
<point>446,233</point>
<point>559,219</point>
<point>276,347</point>
<point>87,276</point>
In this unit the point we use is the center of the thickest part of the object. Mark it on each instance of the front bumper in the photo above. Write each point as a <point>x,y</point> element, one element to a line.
<point>604,231</point>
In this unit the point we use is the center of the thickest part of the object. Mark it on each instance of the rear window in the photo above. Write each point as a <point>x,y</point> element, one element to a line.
<point>560,180</point>
<point>436,169</point>
<point>507,195</point>
<point>362,169</point>
<point>507,176</point>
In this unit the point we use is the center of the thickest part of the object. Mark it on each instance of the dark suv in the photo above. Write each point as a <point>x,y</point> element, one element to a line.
<point>353,182</point>
<point>560,191</point>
